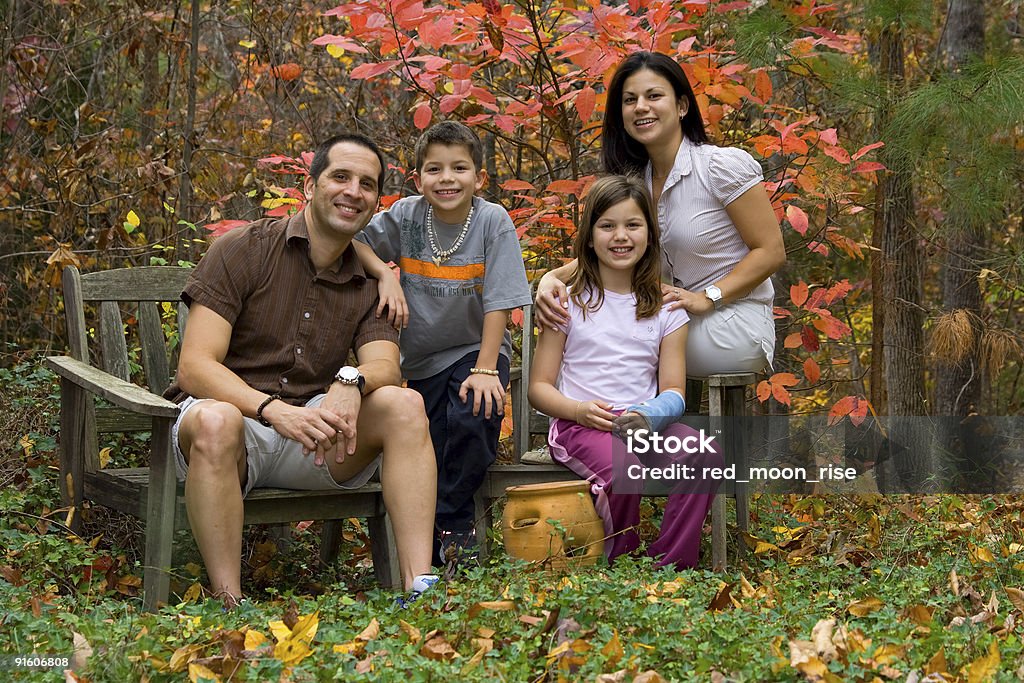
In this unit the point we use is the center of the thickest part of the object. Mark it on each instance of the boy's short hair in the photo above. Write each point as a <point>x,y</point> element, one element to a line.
<point>450,133</point>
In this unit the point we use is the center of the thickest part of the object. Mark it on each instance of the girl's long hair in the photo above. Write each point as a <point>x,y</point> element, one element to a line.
<point>621,153</point>
<point>585,282</point>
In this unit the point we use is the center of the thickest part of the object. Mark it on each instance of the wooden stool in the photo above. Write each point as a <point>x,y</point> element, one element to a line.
<point>726,400</point>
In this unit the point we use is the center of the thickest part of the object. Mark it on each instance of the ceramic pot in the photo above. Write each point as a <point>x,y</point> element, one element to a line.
<point>554,524</point>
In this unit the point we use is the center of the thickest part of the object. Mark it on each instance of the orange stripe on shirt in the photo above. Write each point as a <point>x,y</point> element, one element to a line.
<point>414,267</point>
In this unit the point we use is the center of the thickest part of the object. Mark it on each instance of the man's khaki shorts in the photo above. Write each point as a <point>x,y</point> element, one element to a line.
<point>274,461</point>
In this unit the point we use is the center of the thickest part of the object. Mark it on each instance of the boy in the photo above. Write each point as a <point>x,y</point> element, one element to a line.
<point>462,272</point>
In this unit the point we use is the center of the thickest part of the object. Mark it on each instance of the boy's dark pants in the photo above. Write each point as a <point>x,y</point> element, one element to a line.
<point>465,445</point>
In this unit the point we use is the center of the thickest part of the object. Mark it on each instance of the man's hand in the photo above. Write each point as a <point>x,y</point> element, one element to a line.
<point>389,290</point>
<point>343,401</point>
<point>488,390</point>
<point>316,429</point>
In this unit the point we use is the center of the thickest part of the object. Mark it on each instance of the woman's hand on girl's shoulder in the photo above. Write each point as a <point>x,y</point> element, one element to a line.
<point>694,303</point>
<point>551,302</point>
<point>595,414</point>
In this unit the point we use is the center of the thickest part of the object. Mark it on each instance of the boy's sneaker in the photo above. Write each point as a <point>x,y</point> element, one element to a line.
<point>420,585</point>
<point>459,550</point>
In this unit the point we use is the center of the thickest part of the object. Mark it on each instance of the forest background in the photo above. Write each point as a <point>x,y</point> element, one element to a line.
<point>890,131</point>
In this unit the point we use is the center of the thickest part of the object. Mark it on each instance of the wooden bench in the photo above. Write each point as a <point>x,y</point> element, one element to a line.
<point>153,493</point>
<point>726,399</point>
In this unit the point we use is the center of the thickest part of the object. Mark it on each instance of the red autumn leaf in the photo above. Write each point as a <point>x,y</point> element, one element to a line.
<point>792,341</point>
<point>517,186</point>
<point>287,72</point>
<point>764,390</point>
<point>811,371</point>
<point>828,136</point>
<point>364,71</point>
<point>563,187</point>
<point>868,167</point>
<point>838,291</point>
<point>841,409</point>
<point>837,153</point>
<point>585,103</point>
<point>423,115</point>
<point>220,227</point>
<point>831,326</point>
<point>517,317</point>
<point>797,218</point>
<point>781,395</point>
<point>763,85</point>
<point>450,103</point>
<point>809,338</point>
<point>783,379</point>
<point>865,149</point>
<point>798,293</point>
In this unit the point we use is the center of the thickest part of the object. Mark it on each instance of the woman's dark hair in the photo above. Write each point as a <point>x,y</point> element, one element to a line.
<point>585,282</point>
<point>621,153</point>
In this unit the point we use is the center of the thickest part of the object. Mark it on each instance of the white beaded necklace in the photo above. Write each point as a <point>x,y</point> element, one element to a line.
<point>440,255</point>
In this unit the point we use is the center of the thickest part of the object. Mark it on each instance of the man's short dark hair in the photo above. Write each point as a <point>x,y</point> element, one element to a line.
<point>322,153</point>
<point>450,133</point>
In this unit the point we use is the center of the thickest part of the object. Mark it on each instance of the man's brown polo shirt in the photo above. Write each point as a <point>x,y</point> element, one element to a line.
<point>292,328</point>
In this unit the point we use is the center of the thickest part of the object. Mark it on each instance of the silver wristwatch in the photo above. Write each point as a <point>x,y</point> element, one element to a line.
<point>350,375</point>
<point>715,294</point>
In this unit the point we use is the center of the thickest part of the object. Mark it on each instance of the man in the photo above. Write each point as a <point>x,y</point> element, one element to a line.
<point>267,395</point>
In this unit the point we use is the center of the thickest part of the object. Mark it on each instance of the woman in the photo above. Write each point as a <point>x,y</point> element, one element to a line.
<point>720,239</point>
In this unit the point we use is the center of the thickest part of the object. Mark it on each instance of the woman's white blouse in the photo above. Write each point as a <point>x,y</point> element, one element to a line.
<point>700,243</point>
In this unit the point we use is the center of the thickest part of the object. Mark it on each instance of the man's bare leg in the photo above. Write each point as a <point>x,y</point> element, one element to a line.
<point>392,420</point>
<point>212,439</point>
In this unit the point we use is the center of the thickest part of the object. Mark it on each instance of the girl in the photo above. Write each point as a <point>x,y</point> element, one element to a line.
<point>616,366</point>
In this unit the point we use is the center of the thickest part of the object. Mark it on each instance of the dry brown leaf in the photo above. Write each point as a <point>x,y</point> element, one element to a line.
<point>649,676</point>
<point>183,655</point>
<point>937,664</point>
<point>612,651</point>
<point>492,606</point>
<point>617,677</point>
<point>485,632</point>
<point>198,672</point>
<point>409,630</point>
<point>723,597</point>
<point>821,636</point>
<point>370,632</point>
<point>439,649</point>
<point>82,651</point>
<point>1016,596</point>
<point>194,592</point>
<point>864,607</point>
<point>954,582</point>
<point>984,668</point>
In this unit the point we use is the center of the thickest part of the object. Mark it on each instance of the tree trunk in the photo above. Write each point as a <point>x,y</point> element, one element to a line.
<point>901,285</point>
<point>958,385</point>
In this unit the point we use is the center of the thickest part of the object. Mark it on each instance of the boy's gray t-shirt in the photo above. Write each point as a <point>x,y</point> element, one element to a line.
<point>447,302</point>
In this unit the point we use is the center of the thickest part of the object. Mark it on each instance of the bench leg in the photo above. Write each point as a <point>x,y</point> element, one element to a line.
<point>384,552</point>
<point>718,537</point>
<point>330,541</point>
<point>160,504</point>
<point>484,521</point>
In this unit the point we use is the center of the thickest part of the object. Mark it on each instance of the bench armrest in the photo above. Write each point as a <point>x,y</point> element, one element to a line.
<point>113,389</point>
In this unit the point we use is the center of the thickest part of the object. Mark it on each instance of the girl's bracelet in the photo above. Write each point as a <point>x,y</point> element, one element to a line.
<point>483,371</point>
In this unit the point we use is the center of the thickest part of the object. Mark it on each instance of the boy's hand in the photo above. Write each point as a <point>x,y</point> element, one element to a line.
<point>487,389</point>
<point>389,290</point>
<point>551,303</point>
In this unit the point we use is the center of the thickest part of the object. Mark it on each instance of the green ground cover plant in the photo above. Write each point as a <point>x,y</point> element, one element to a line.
<point>864,588</point>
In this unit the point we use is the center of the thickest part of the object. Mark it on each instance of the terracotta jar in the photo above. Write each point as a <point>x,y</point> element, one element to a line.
<point>573,537</point>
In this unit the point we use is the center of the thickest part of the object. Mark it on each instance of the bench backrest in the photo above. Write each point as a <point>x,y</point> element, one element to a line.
<point>138,292</point>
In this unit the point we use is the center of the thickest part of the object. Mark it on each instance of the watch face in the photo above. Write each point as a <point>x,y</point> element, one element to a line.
<point>348,374</point>
<point>714,293</point>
